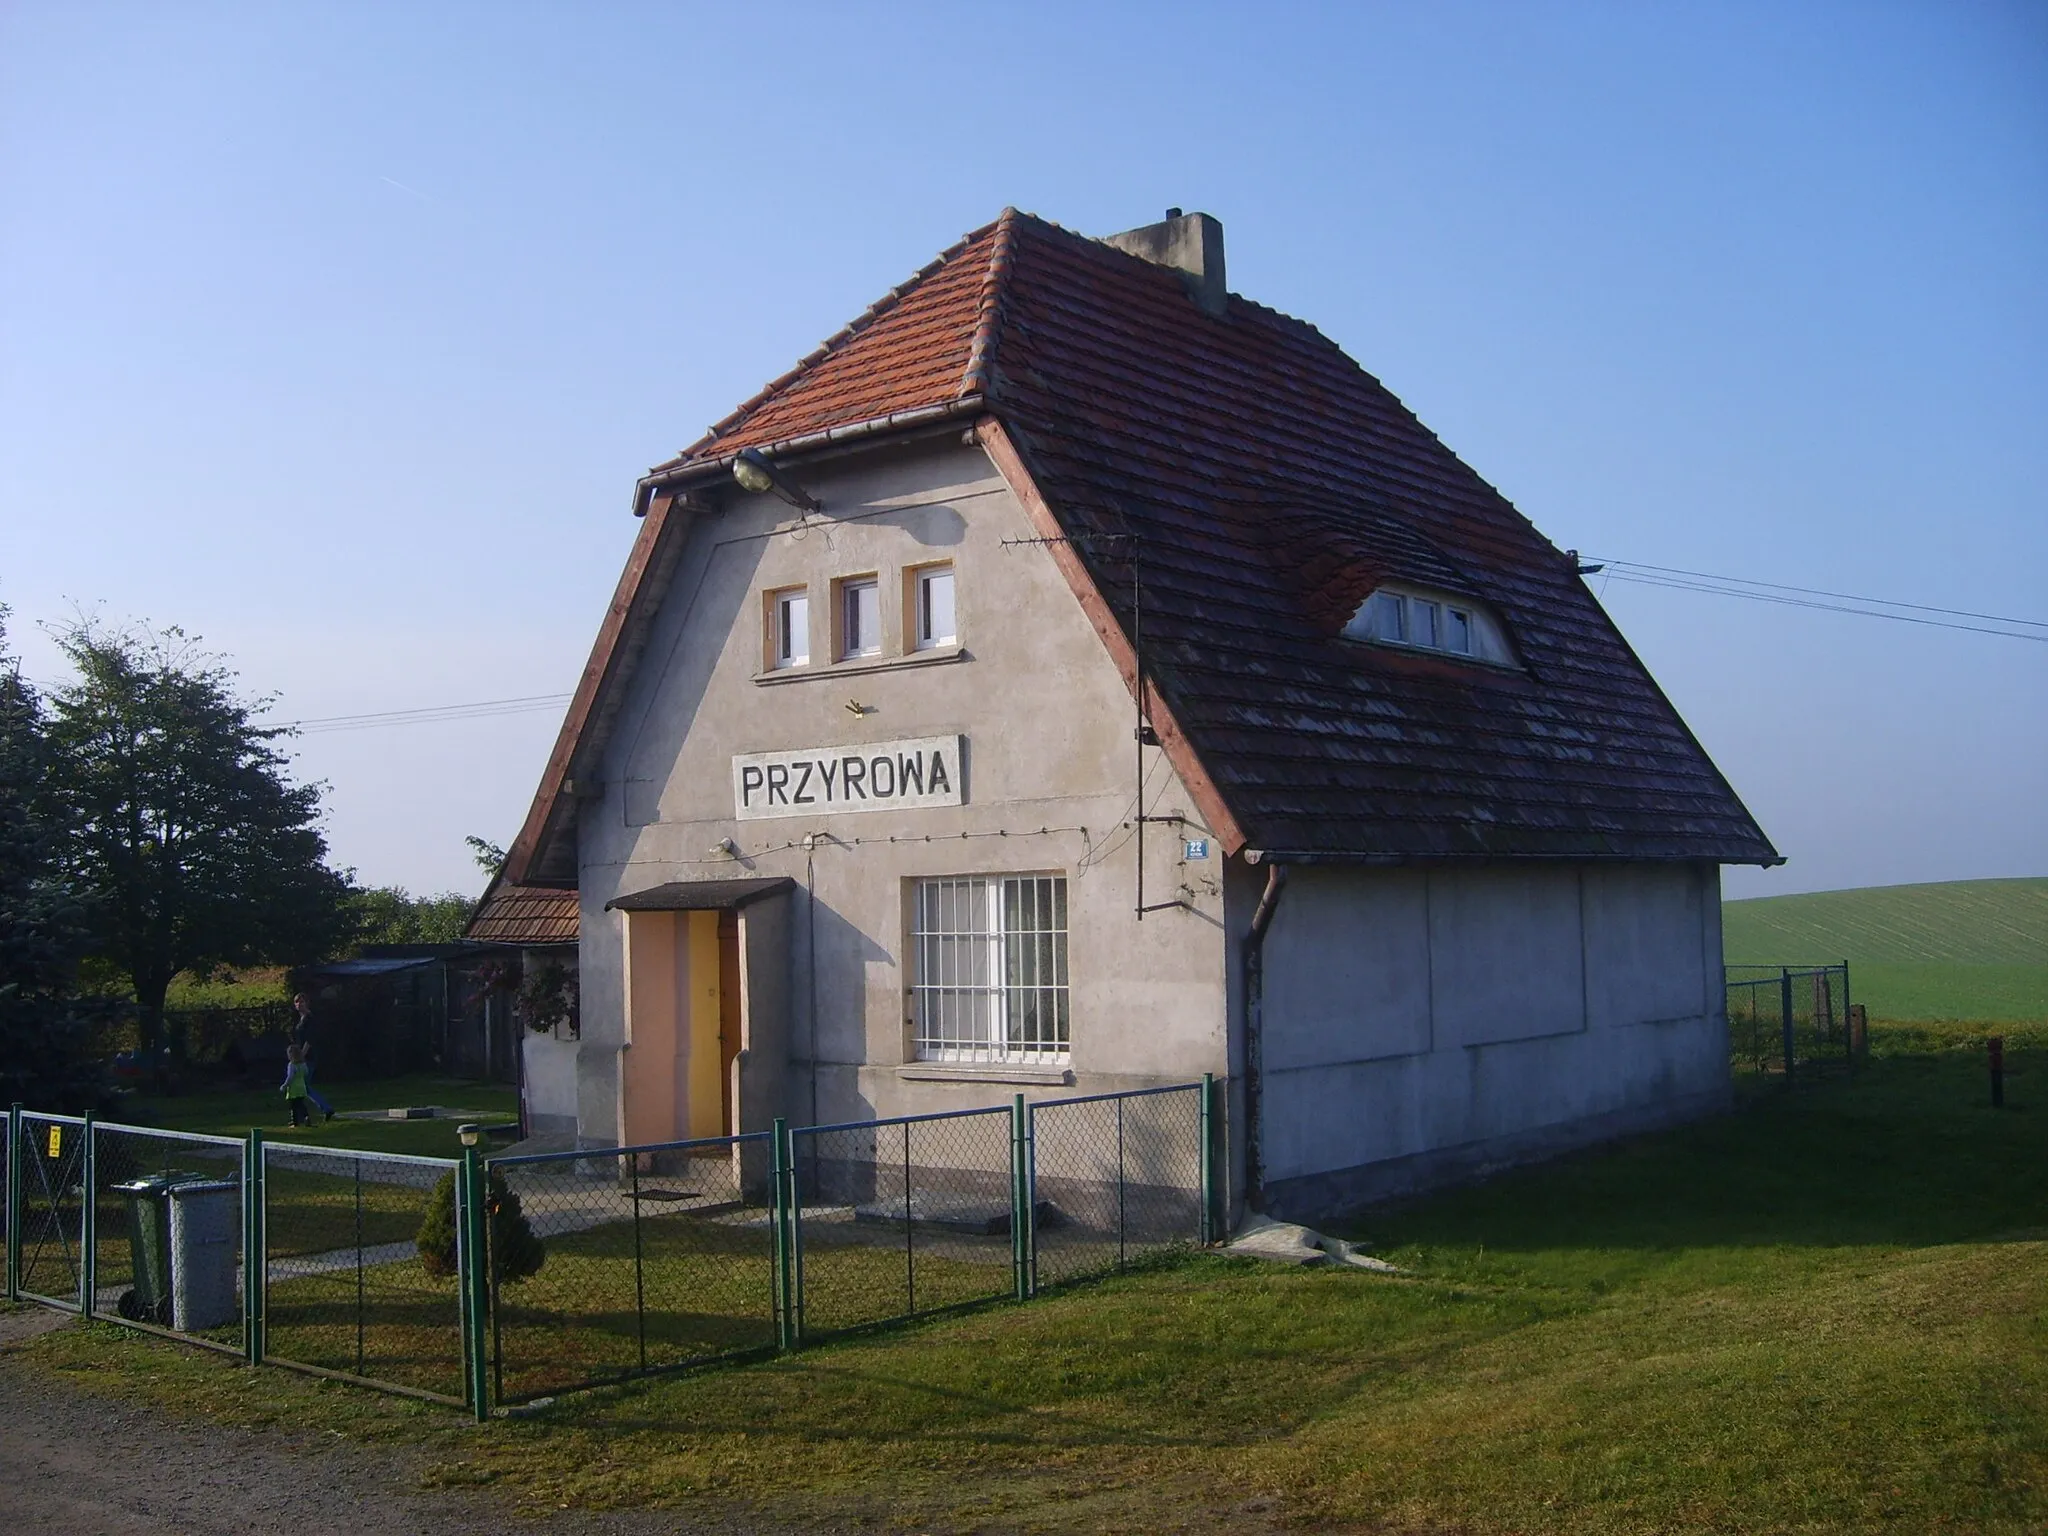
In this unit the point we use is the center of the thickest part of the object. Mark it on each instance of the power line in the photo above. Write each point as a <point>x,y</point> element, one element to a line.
<point>1851,597</point>
<point>1784,595</point>
<point>481,709</point>
<point>1673,578</point>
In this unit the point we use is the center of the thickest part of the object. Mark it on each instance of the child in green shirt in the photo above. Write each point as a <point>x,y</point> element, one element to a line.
<point>296,1084</point>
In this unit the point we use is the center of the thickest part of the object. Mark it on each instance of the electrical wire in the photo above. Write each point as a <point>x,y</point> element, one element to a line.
<point>1639,573</point>
<point>481,709</point>
<point>1785,595</point>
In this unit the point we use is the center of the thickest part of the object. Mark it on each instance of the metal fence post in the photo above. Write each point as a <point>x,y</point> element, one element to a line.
<point>1206,1129</point>
<point>1785,1019</point>
<point>88,1228</point>
<point>1848,1034</point>
<point>1030,1200</point>
<point>474,1283</point>
<point>779,1181</point>
<point>14,1203</point>
<point>1020,1205</point>
<point>253,1258</point>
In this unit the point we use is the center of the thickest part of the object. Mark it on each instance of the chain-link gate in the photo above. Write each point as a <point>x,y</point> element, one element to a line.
<point>608,1264</point>
<point>1116,1178</point>
<point>362,1263</point>
<point>895,1218</point>
<point>50,1225</point>
<point>1783,1020</point>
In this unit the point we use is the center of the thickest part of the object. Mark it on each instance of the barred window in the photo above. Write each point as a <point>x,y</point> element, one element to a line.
<point>991,968</point>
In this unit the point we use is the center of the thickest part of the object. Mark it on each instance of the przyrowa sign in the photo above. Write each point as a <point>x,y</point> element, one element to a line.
<point>873,776</point>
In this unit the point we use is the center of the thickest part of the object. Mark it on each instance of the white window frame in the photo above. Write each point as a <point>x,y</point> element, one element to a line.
<point>789,639</point>
<point>1426,621</point>
<point>848,607</point>
<point>924,634</point>
<point>988,976</point>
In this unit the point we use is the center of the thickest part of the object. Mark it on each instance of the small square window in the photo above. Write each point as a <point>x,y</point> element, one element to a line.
<point>933,597</point>
<point>860,618</point>
<point>789,628</point>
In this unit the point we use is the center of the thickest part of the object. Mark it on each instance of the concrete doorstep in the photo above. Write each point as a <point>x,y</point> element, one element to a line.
<point>1284,1242</point>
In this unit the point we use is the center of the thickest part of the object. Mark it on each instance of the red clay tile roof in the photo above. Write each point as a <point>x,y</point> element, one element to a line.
<point>1271,483</point>
<point>526,915</point>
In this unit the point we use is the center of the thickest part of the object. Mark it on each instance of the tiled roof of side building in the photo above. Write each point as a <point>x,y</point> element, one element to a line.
<point>525,915</point>
<point>1269,484</point>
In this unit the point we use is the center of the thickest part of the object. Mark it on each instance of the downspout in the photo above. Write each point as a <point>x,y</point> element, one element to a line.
<point>1254,1033</point>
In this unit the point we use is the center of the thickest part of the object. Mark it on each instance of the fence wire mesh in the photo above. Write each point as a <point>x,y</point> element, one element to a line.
<point>595,1264</point>
<point>168,1231</point>
<point>361,1266</point>
<point>52,1219</point>
<point>894,1218</point>
<point>1775,1008</point>
<point>609,1264</point>
<point>1117,1178</point>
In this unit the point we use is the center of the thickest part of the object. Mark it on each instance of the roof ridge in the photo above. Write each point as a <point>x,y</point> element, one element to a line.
<point>975,379</point>
<point>737,417</point>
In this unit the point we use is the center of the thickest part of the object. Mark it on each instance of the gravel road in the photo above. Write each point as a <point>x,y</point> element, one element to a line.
<point>79,1465</point>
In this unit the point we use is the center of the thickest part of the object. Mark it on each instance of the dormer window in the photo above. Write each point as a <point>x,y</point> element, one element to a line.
<point>1430,621</point>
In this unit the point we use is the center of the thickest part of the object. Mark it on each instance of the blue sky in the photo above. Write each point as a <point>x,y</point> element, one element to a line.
<point>339,334</point>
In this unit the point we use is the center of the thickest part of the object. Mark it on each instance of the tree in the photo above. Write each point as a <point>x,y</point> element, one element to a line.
<point>516,1249</point>
<point>46,1032</point>
<point>181,830</point>
<point>389,914</point>
<point>490,858</point>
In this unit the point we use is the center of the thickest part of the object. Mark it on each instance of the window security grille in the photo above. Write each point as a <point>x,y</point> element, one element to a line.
<point>991,978</point>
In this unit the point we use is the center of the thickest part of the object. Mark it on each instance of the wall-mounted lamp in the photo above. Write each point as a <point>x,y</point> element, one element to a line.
<point>725,848</point>
<point>754,473</point>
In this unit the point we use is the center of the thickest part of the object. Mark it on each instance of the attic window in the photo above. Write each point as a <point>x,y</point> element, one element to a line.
<point>1422,620</point>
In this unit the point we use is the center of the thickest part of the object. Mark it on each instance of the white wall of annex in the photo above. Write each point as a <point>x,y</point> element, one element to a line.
<point>1409,1013</point>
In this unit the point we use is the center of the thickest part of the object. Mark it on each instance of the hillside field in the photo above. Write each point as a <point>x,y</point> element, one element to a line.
<point>1965,949</point>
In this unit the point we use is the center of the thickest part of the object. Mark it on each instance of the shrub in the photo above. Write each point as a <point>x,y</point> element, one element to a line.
<point>517,1248</point>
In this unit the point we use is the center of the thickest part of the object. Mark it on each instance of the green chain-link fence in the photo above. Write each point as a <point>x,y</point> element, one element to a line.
<point>496,1282</point>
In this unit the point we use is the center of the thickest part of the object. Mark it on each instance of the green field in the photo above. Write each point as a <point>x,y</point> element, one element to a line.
<point>1966,949</point>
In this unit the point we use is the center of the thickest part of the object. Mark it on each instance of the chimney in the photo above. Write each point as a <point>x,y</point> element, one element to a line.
<point>1190,243</point>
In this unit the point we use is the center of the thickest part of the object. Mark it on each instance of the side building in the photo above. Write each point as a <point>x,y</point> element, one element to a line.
<point>1074,677</point>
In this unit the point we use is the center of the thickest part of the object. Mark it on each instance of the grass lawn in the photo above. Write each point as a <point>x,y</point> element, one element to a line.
<point>232,1112</point>
<point>1827,1311</point>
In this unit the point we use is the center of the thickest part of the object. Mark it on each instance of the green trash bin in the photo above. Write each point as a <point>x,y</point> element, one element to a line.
<point>149,1245</point>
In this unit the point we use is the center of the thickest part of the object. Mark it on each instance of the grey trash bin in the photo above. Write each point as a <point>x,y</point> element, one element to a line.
<point>205,1227</point>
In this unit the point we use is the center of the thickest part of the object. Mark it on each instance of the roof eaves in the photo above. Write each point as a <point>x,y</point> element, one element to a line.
<point>685,471</point>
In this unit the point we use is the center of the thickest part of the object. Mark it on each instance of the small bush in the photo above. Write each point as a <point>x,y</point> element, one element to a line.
<point>517,1248</point>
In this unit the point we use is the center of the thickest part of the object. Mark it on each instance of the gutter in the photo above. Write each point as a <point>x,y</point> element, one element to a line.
<point>1254,1034</point>
<point>1278,856</point>
<point>810,442</point>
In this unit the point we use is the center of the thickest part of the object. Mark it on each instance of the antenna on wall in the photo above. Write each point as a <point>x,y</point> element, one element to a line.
<point>1143,734</point>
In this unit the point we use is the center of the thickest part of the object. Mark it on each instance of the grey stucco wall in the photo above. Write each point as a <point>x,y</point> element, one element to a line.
<point>1051,787</point>
<point>1421,1025</point>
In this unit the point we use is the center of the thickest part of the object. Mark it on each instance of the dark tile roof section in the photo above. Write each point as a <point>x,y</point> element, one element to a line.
<point>702,895</point>
<point>1270,483</point>
<point>526,915</point>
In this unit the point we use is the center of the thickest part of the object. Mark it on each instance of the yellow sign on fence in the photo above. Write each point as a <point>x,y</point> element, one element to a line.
<point>56,1140</point>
